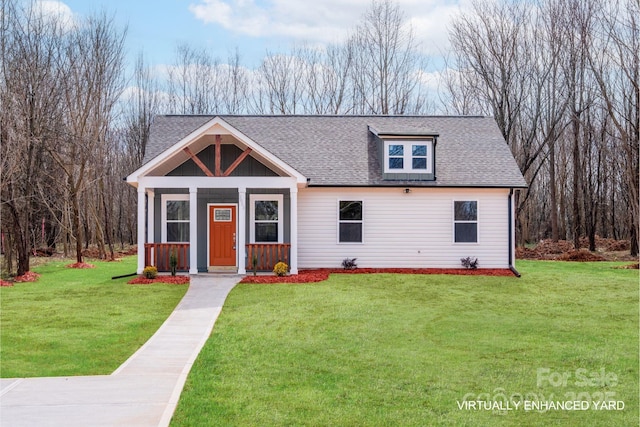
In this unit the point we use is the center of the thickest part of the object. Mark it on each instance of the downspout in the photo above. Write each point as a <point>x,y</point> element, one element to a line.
<point>510,233</point>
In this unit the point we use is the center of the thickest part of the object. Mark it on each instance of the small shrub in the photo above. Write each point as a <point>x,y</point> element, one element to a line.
<point>469,263</point>
<point>280,269</point>
<point>349,263</point>
<point>150,272</point>
<point>173,261</point>
<point>254,264</point>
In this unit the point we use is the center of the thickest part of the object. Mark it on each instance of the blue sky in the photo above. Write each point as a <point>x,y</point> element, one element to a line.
<point>251,26</point>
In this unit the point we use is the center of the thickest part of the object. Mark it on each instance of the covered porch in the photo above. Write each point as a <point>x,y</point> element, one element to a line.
<point>221,223</point>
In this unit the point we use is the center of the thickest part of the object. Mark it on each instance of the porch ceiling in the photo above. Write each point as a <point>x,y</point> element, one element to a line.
<point>199,144</point>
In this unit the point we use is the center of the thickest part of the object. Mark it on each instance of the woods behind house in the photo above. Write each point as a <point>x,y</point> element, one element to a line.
<point>560,77</point>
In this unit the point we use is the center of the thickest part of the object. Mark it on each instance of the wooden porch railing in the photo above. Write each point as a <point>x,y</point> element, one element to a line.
<point>267,255</point>
<point>157,254</point>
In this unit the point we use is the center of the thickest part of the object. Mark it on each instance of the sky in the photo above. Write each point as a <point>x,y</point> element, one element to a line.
<point>252,26</point>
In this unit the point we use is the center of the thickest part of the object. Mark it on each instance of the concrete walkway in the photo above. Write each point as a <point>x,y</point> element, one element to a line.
<point>144,391</point>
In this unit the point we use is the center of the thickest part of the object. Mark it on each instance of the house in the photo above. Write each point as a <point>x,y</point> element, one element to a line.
<point>230,193</point>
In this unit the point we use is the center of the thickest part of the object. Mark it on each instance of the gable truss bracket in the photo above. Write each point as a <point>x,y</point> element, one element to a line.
<point>237,162</point>
<point>198,162</point>
<point>218,172</point>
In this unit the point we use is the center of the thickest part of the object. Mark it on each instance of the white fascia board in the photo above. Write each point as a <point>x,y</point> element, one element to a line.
<point>136,176</point>
<point>217,182</point>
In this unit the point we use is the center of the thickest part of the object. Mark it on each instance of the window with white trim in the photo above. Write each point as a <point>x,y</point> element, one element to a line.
<point>175,218</point>
<point>408,156</point>
<point>266,213</point>
<point>350,221</point>
<point>465,221</point>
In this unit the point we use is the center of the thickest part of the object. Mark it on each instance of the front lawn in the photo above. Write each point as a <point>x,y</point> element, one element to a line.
<point>375,350</point>
<point>79,322</point>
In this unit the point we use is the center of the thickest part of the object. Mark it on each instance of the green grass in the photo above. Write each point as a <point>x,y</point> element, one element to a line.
<point>383,350</point>
<point>79,322</point>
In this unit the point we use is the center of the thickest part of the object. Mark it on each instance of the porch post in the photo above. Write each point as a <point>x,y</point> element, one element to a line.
<point>193,230</point>
<point>141,227</point>
<point>240,241</point>
<point>293,260</point>
<point>150,216</point>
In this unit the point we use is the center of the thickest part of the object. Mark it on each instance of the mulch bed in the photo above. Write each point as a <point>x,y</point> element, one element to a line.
<point>172,280</point>
<point>80,265</point>
<point>319,275</point>
<point>29,276</point>
<point>582,255</point>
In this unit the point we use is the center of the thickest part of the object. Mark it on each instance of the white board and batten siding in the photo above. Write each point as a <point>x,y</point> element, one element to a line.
<point>402,230</point>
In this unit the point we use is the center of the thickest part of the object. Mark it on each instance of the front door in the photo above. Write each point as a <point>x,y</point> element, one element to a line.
<point>222,236</point>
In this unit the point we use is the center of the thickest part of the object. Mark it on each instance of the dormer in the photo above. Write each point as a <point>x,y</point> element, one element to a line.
<point>407,154</point>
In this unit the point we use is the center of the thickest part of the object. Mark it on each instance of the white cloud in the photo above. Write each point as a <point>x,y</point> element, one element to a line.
<point>321,21</point>
<point>55,11</point>
<point>431,29</point>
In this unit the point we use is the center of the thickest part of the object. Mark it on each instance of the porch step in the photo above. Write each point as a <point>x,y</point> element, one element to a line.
<point>223,269</point>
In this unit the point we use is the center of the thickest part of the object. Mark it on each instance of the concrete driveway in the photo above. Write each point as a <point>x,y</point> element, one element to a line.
<point>144,391</point>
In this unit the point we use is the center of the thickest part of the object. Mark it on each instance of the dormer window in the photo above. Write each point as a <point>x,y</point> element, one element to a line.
<point>408,156</point>
<point>406,153</point>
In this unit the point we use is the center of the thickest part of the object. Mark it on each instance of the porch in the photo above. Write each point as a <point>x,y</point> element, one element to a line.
<point>264,255</point>
<point>211,218</point>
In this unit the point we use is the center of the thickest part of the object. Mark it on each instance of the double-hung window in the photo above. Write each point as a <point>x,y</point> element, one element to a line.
<point>465,221</point>
<point>175,218</point>
<point>396,157</point>
<point>419,157</point>
<point>350,221</point>
<point>266,212</point>
<point>408,156</point>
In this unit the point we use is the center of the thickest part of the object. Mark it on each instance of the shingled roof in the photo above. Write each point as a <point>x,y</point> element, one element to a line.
<point>341,150</point>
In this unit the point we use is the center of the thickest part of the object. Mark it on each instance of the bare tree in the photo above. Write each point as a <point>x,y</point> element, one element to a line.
<point>617,72</point>
<point>195,82</point>
<point>235,86</point>
<point>92,64</point>
<point>280,84</point>
<point>548,72</point>
<point>29,94</point>
<point>385,62</point>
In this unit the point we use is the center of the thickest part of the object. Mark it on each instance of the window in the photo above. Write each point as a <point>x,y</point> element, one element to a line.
<point>222,215</point>
<point>408,156</point>
<point>175,218</point>
<point>396,156</point>
<point>350,221</point>
<point>266,218</point>
<point>419,157</point>
<point>465,221</point>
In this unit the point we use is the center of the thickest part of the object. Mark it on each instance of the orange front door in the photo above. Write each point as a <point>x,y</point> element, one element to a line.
<point>222,235</point>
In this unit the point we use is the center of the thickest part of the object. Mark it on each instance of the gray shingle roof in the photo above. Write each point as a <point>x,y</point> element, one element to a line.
<point>341,151</point>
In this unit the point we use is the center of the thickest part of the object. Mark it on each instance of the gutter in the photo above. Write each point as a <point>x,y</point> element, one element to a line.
<point>510,233</point>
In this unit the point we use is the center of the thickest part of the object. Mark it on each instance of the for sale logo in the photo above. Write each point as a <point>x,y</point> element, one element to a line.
<point>581,377</point>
